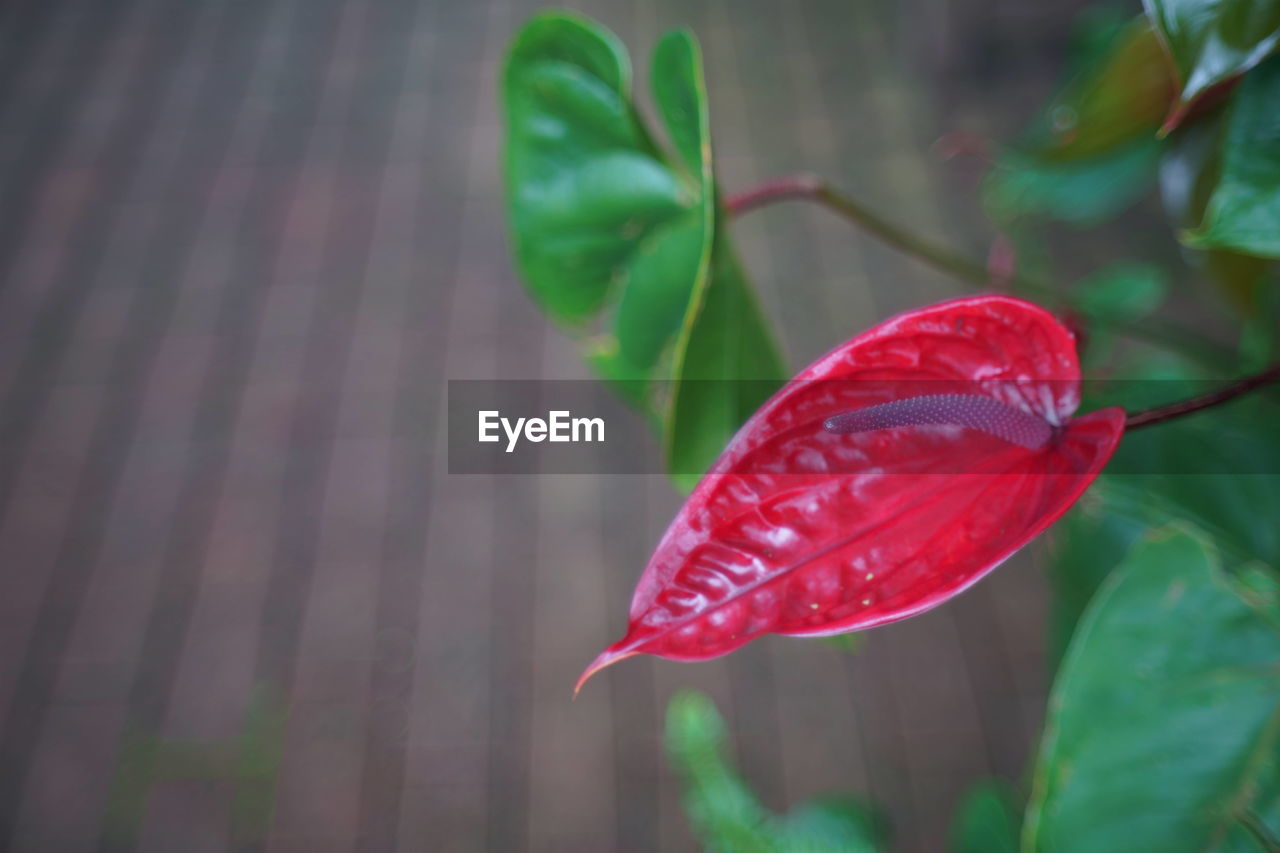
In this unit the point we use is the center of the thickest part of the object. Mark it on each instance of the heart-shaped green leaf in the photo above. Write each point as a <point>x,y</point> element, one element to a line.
<point>609,227</point>
<point>1244,208</point>
<point>1212,41</point>
<point>598,213</point>
<point>1164,723</point>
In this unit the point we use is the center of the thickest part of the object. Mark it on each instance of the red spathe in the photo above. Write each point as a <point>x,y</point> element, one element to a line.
<point>802,531</point>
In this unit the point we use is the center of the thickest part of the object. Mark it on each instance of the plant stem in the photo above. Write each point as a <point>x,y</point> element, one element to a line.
<point>1160,414</point>
<point>813,188</point>
<point>805,187</point>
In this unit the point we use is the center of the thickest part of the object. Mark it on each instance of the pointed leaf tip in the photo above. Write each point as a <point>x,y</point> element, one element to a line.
<point>607,658</point>
<point>1175,118</point>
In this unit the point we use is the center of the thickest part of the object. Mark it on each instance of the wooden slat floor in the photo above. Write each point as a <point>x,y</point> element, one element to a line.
<point>243,605</point>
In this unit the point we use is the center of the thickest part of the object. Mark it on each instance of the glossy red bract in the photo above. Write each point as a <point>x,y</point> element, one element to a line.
<point>802,531</point>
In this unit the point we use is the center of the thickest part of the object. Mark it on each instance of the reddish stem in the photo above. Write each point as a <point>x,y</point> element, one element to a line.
<point>1160,414</point>
<point>778,189</point>
<point>812,188</point>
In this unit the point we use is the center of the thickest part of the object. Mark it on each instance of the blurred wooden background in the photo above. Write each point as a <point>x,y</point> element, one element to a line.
<point>243,245</point>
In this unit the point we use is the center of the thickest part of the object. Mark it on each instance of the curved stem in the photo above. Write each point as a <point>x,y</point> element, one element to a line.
<point>1160,414</point>
<point>805,187</point>
<point>813,188</point>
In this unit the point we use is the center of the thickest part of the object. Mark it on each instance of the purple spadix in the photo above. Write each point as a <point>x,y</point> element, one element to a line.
<point>965,410</point>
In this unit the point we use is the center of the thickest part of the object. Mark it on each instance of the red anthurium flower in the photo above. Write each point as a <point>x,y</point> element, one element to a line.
<point>883,480</point>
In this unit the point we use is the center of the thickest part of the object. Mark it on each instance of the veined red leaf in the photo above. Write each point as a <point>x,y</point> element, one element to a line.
<point>883,480</point>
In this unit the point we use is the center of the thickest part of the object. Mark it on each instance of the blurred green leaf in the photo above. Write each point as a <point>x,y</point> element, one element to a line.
<point>987,820</point>
<point>1244,210</point>
<point>1260,334</point>
<point>726,815</point>
<point>1164,719</point>
<point>1122,92</point>
<point>1219,469</point>
<point>1093,150</point>
<point>1189,171</point>
<point>1084,191</point>
<point>1121,293</point>
<point>1213,40</point>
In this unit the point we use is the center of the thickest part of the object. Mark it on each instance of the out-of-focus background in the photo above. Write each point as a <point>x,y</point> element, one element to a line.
<point>243,605</point>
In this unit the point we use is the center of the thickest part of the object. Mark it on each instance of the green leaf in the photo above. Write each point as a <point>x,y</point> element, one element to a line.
<point>1165,717</point>
<point>607,226</point>
<point>1259,343</point>
<point>1213,40</point>
<point>1244,210</point>
<point>665,276</point>
<point>1122,92</point>
<point>1121,293</point>
<point>1219,469</point>
<point>1189,172</point>
<point>1084,191</point>
<point>725,814</point>
<point>681,97</point>
<point>1085,546</point>
<point>588,192</point>
<point>987,820</point>
<point>1093,150</point>
<point>726,366</point>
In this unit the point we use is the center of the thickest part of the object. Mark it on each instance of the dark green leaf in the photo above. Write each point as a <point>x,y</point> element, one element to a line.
<point>1189,172</point>
<point>1260,336</point>
<point>1219,469</point>
<point>1085,546</point>
<point>987,820</point>
<point>1213,40</point>
<point>1164,719</point>
<point>728,818</point>
<point>1244,210</point>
